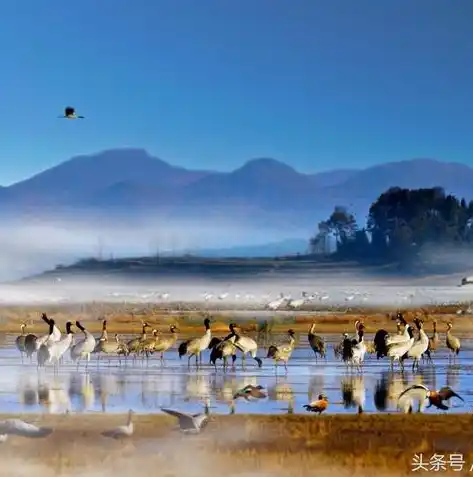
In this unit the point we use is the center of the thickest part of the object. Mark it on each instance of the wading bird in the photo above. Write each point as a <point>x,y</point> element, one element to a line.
<point>83,348</point>
<point>421,393</point>
<point>453,343</point>
<point>195,346</point>
<point>316,342</point>
<point>70,113</point>
<point>282,352</point>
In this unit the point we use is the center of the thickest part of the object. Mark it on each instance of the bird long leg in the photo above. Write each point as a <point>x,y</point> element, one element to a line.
<point>162,358</point>
<point>189,360</point>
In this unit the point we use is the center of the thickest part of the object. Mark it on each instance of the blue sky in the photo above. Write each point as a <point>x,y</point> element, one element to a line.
<point>213,83</point>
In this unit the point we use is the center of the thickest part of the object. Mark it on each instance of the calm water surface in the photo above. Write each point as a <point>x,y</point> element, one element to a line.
<point>113,387</point>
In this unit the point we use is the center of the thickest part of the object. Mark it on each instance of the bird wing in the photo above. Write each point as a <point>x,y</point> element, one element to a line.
<point>200,420</point>
<point>417,391</point>
<point>447,392</point>
<point>21,428</point>
<point>178,414</point>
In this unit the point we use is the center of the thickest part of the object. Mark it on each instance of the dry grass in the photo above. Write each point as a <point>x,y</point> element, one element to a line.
<point>127,319</point>
<point>242,444</point>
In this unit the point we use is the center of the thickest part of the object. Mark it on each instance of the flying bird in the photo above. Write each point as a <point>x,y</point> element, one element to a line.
<point>419,392</point>
<point>17,427</point>
<point>190,423</point>
<point>70,113</point>
<point>251,393</point>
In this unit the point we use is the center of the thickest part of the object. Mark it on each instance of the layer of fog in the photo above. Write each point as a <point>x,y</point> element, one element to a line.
<point>244,294</point>
<point>34,245</point>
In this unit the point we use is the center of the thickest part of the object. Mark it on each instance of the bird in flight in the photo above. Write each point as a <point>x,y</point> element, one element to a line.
<point>70,113</point>
<point>18,427</point>
<point>421,393</point>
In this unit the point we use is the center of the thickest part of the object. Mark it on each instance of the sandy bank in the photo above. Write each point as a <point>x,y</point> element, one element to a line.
<point>257,446</point>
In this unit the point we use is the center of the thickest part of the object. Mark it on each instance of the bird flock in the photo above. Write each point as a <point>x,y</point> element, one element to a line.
<point>410,342</point>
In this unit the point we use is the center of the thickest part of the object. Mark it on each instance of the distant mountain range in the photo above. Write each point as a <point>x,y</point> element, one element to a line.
<point>262,191</point>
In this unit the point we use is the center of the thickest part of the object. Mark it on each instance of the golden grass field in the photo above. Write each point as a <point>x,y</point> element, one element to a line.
<point>240,445</point>
<point>127,319</point>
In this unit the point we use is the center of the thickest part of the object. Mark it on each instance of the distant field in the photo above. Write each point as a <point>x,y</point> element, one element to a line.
<point>243,445</point>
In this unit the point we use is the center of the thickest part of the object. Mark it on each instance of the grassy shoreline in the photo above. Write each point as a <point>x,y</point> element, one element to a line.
<point>262,445</point>
<point>127,320</point>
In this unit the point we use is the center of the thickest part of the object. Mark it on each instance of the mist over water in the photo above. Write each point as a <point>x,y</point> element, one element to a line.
<point>32,245</point>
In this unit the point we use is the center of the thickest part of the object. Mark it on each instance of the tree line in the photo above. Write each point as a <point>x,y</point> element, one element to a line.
<point>400,223</point>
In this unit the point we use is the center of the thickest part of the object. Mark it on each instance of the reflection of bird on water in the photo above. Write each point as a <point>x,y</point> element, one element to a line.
<point>17,427</point>
<point>197,386</point>
<point>121,431</point>
<point>419,393</point>
<point>387,390</point>
<point>453,374</point>
<point>191,423</point>
<point>316,383</point>
<point>106,384</point>
<point>282,392</point>
<point>353,392</point>
<point>81,385</point>
<point>53,396</point>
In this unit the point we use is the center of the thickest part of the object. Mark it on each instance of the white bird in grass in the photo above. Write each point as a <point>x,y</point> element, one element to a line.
<point>190,423</point>
<point>83,348</point>
<point>121,431</point>
<point>17,427</point>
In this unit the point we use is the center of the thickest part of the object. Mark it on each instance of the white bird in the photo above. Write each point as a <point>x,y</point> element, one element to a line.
<point>17,427</point>
<point>421,394</point>
<point>190,423</point>
<point>399,338</point>
<point>52,351</point>
<point>195,346</point>
<point>419,347</point>
<point>121,431</point>
<point>223,296</point>
<point>83,348</point>
<point>246,345</point>
<point>397,350</point>
<point>299,302</point>
<point>54,336</point>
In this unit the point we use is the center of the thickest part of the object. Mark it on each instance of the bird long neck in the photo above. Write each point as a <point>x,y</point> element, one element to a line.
<point>23,329</point>
<point>129,421</point>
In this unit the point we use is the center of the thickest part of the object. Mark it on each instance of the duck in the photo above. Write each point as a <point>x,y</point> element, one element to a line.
<point>251,393</point>
<point>422,393</point>
<point>318,406</point>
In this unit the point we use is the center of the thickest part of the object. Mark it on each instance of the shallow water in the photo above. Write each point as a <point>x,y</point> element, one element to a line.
<point>111,386</point>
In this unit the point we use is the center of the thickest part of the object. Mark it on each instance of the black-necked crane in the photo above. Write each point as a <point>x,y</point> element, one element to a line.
<point>165,344</point>
<point>195,346</point>
<point>419,347</point>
